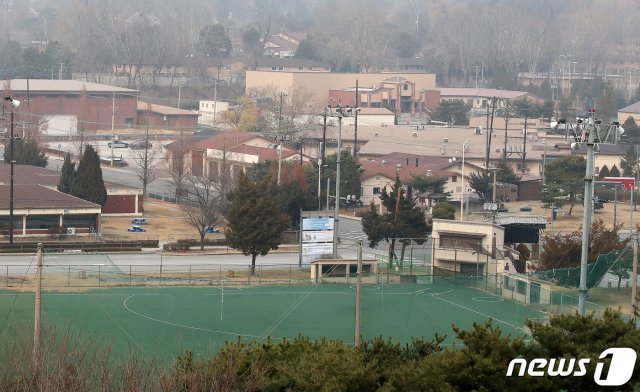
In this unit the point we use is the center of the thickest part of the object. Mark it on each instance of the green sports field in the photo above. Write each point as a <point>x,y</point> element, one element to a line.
<point>162,322</point>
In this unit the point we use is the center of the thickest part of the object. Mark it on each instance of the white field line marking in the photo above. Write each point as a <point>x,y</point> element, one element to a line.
<point>124,303</point>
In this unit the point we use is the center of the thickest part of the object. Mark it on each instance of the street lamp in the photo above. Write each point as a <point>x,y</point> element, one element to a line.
<point>462,193</point>
<point>14,104</point>
<point>338,112</point>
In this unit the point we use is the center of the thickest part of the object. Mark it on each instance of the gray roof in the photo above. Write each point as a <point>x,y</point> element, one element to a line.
<point>633,108</point>
<point>70,86</point>
<point>503,220</point>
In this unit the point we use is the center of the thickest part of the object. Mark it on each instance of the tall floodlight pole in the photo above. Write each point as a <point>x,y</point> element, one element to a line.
<point>587,216</point>
<point>336,212</point>
<point>338,112</point>
<point>588,130</point>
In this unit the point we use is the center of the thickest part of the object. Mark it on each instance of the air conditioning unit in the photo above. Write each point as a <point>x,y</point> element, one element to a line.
<point>71,230</point>
<point>478,131</point>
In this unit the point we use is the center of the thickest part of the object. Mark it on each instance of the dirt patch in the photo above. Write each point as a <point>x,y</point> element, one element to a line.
<point>166,223</point>
<point>566,222</point>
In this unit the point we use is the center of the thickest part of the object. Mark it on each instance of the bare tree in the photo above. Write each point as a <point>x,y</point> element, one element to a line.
<point>204,206</point>
<point>178,171</point>
<point>147,159</point>
<point>207,202</point>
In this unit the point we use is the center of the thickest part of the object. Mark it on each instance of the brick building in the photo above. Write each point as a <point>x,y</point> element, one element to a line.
<point>64,106</point>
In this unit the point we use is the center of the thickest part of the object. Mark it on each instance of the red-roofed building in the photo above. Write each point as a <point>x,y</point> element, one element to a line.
<point>41,210</point>
<point>381,172</point>
<point>236,152</point>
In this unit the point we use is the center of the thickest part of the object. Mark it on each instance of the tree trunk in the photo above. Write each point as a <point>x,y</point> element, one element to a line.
<point>392,246</point>
<point>619,281</point>
<point>202,239</point>
<point>253,264</point>
<point>404,246</point>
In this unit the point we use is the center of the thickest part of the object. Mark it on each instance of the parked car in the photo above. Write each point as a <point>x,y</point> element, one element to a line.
<point>136,229</point>
<point>140,221</point>
<point>140,144</point>
<point>525,208</point>
<point>212,229</point>
<point>117,161</point>
<point>118,144</point>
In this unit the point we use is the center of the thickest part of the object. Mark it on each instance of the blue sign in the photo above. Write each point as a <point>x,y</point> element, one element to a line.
<point>318,224</point>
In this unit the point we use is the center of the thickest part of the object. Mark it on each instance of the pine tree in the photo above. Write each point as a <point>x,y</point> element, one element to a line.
<point>256,221</point>
<point>604,172</point>
<point>25,152</point>
<point>403,221</point>
<point>68,173</point>
<point>87,183</point>
<point>615,172</point>
<point>631,130</point>
<point>629,162</point>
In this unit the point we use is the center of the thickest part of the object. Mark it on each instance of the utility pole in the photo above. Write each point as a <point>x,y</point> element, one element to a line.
<point>36,359</point>
<point>355,118</point>
<point>493,108</point>
<point>544,158</point>
<point>336,213</point>
<point>524,149</point>
<point>320,181</point>
<point>280,138</point>
<point>113,124</point>
<point>494,206</point>
<point>506,130</point>
<point>634,277</point>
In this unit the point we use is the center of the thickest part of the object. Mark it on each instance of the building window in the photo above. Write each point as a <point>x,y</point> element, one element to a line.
<point>459,241</point>
<point>168,68</point>
<point>521,287</point>
<point>454,178</point>
<point>405,87</point>
<point>274,68</point>
<point>300,68</point>
<point>376,190</point>
<point>377,178</point>
<point>280,68</point>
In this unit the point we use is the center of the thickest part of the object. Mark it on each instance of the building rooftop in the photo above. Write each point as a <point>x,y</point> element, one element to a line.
<point>165,110</point>
<point>35,175</point>
<point>633,108</point>
<point>39,196</point>
<point>481,93</point>
<point>57,86</point>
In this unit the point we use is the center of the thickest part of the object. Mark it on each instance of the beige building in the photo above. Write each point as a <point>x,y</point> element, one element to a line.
<point>632,111</point>
<point>375,141</point>
<point>320,83</point>
<point>467,248</point>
